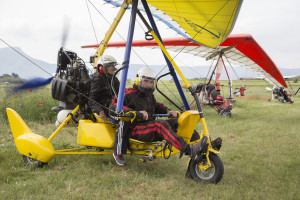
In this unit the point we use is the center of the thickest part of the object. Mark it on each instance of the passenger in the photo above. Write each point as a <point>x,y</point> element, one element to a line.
<point>210,89</point>
<point>141,99</point>
<point>102,86</point>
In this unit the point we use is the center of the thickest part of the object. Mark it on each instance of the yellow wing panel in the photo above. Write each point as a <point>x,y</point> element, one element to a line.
<point>207,22</point>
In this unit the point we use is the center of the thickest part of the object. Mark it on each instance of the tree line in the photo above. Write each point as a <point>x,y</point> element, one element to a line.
<point>13,78</point>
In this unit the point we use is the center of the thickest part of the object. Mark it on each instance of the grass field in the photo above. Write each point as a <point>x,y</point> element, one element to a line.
<point>260,152</point>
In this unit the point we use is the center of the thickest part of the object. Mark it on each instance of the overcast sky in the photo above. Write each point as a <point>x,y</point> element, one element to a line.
<point>36,27</point>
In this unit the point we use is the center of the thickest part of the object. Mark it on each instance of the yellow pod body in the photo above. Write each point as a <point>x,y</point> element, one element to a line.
<point>96,134</point>
<point>28,143</point>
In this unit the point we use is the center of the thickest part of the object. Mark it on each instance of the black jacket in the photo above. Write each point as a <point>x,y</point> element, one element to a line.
<point>101,92</point>
<point>134,100</point>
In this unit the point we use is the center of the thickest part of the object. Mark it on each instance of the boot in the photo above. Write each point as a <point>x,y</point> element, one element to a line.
<point>198,148</point>
<point>217,143</point>
<point>119,159</point>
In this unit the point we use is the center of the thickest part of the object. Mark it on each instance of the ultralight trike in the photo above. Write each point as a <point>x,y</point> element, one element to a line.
<point>38,150</point>
<point>71,83</point>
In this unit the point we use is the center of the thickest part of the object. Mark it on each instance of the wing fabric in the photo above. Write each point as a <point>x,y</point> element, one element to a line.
<point>240,49</point>
<point>250,54</point>
<point>207,22</point>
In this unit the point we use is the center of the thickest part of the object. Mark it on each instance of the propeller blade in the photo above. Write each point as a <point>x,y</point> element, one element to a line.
<point>65,34</point>
<point>33,83</point>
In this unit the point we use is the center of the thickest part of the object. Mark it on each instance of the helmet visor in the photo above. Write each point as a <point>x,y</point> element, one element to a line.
<point>111,66</point>
<point>147,83</point>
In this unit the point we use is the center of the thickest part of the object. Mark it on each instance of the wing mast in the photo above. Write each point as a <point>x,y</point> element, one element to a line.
<point>103,44</point>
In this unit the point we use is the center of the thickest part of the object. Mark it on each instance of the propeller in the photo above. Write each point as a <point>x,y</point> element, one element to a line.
<point>65,33</point>
<point>39,81</point>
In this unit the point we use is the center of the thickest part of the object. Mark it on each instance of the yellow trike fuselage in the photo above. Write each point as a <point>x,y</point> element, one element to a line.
<point>99,134</point>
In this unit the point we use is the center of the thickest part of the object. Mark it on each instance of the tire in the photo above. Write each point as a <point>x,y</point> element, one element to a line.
<point>33,162</point>
<point>212,175</point>
<point>281,99</point>
<point>225,112</point>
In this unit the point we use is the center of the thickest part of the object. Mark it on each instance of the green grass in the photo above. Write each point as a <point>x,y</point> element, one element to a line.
<point>260,153</point>
<point>32,105</point>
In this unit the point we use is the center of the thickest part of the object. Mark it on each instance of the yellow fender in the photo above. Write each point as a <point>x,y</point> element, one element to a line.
<point>27,142</point>
<point>187,122</point>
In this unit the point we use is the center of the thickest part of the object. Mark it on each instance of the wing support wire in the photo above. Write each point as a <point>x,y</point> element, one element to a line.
<point>168,60</point>
<point>101,48</point>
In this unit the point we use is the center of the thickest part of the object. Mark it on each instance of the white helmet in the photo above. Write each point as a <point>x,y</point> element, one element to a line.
<point>107,60</point>
<point>146,73</point>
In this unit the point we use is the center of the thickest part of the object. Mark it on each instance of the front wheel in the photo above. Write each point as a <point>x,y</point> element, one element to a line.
<point>33,162</point>
<point>212,174</point>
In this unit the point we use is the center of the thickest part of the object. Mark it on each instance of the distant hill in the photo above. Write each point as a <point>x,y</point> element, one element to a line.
<point>290,72</point>
<point>13,62</point>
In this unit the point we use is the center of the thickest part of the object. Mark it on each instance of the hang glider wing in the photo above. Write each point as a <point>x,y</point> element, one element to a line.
<point>207,22</point>
<point>240,49</point>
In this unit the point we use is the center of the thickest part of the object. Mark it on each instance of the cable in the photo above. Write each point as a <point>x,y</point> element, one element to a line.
<point>290,86</point>
<point>132,49</point>
<point>54,76</point>
<point>117,32</point>
<point>25,57</point>
<point>213,60</point>
<point>171,92</point>
<point>91,21</point>
<point>233,69</point>
<point>191,68</point>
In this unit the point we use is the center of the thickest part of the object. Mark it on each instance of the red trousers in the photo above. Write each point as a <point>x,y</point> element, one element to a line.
<point>158,130</point>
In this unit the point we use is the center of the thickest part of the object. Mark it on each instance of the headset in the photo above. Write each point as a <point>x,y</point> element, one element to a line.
<point>101,69</point>
<point>137,80</point>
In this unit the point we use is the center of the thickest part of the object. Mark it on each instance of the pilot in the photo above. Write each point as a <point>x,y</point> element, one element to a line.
<point>103,88</point>
<point>141,99</point>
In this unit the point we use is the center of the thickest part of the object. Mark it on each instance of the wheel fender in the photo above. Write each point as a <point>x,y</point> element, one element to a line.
<point>35,146</point>
<point>28,143</point>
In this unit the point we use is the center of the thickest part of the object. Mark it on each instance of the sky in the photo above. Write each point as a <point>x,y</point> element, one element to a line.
<point>37,27</point>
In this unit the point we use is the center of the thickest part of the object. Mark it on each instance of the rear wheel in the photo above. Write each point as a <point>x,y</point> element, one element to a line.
<point>226,112</point>
<point>212,174</point>
<point>33,162</point>
<point>281,99</point>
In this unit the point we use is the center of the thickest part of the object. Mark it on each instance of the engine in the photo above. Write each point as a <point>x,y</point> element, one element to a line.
<point>71,84</point>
